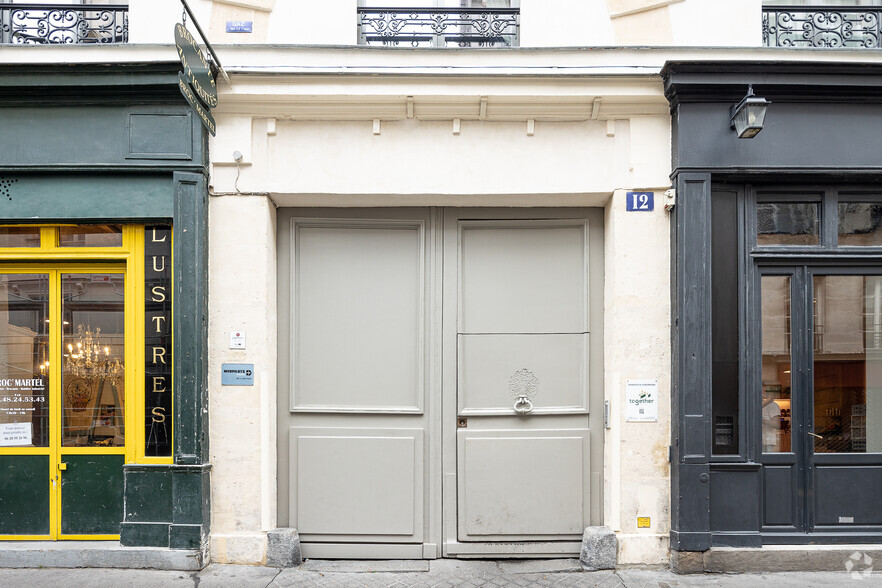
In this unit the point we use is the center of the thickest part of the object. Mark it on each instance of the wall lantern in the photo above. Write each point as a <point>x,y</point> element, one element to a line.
<point>748,115</point>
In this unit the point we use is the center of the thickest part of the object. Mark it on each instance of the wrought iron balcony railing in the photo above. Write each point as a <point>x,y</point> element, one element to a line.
<point>851,27</point>
<point>47,24</point>
<point>439,27</point>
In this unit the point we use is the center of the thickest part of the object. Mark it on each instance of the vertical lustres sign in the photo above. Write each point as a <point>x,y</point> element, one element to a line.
<point>158,341</point>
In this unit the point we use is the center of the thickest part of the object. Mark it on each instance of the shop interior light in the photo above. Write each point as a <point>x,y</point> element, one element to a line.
<point>748,116</point>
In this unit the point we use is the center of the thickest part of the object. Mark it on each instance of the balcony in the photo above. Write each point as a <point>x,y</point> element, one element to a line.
<point>50,24</point>
<point>850,27</point>
<point>438,27</point>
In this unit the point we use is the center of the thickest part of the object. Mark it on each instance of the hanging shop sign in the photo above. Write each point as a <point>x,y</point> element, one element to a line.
<point>202,112</point>
<point>158,340</point>
<point>196,82</point>
<point>196,68</point>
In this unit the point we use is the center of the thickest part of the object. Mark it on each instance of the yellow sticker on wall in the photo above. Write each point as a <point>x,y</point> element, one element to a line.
<point>642,522</point>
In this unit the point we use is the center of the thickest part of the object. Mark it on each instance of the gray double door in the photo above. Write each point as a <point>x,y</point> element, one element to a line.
<point>820,413</point>
<point>440,378</point>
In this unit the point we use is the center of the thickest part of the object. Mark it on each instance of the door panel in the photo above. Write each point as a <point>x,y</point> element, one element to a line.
<point>24,495</point>
<point>365,483</point>
<point>487,364</point>
<point>353,422</point>
<point>779,490</point>
<point>358,322</point>
<point>848,495</point>
<point>511,489</point>
<point>519,288</point>
<point>92,494</point>
<point>523,276</point>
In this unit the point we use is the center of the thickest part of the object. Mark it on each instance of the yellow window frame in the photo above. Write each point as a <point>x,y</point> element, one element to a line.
<point>50,257</point>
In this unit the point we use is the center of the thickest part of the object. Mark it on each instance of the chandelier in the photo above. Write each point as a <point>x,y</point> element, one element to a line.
<point>89,360</point>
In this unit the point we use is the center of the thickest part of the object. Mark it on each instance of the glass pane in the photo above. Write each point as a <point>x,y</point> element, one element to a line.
<point>788,223</point>
<point>848,364</point>
<point>19,236</point>
<point>776,363</point>
<point>860,223</point>
<point>24,360</point>
<point>93,350</point>
<point>91,236</point>
<point>724,322</point>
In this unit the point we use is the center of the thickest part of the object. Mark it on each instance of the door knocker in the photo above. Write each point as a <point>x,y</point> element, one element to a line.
<point>523,385</point>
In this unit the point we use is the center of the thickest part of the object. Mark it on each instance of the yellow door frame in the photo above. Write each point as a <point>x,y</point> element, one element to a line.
<point>55,261</point>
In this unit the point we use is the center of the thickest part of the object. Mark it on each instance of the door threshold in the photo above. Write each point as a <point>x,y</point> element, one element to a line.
<point>525,549</point>
<point>778,558</point>
<point>97,554</point>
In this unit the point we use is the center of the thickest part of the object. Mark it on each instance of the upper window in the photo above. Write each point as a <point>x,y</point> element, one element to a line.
<point>438,23</point>
<point>826,220</point>
<point>50,238</point>
<point>788,223</point>
<point>860,223</point>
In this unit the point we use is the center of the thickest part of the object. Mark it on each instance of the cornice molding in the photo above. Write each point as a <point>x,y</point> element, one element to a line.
<point>427,98</point>
<point>715,81</point>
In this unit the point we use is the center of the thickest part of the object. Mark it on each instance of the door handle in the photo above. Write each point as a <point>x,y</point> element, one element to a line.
<point>62,466</point>
<point>815,435</point>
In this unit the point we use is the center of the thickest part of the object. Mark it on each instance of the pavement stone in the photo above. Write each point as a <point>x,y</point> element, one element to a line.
<point>441,574</point>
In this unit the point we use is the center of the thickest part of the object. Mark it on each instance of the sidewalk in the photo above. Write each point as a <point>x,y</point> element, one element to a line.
<point>405,574</point>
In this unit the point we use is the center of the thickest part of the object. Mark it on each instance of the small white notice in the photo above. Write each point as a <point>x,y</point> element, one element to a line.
<point>642,400</point>
<point>16,434</point>
<point>237,339</point>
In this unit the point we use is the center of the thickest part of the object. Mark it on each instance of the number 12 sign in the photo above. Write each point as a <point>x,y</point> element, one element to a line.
<point>639,201</point>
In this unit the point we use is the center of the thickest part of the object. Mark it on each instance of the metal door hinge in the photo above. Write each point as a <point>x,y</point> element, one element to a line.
<point>606,414</point>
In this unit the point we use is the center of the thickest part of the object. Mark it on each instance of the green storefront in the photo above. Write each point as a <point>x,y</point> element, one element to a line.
<point>103,293</point>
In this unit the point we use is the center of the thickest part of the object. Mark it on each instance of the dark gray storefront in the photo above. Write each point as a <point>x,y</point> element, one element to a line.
<point>777,395</point>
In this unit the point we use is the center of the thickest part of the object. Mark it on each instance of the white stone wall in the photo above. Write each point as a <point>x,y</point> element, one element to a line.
<point>242,419</point>
<point>544,23</point>
<point>637,346</point>
<point>426,163</point>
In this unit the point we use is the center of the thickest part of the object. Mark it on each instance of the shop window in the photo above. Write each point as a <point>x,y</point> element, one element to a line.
<point>860,224</point>
<point>788,223</point>
<point>724,322</point>
<point>82,309</point>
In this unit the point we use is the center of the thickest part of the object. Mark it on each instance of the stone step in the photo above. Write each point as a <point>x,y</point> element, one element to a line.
<point>97,554</point>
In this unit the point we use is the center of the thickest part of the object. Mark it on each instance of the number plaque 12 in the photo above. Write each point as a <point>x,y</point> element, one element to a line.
<point>639,201</point>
